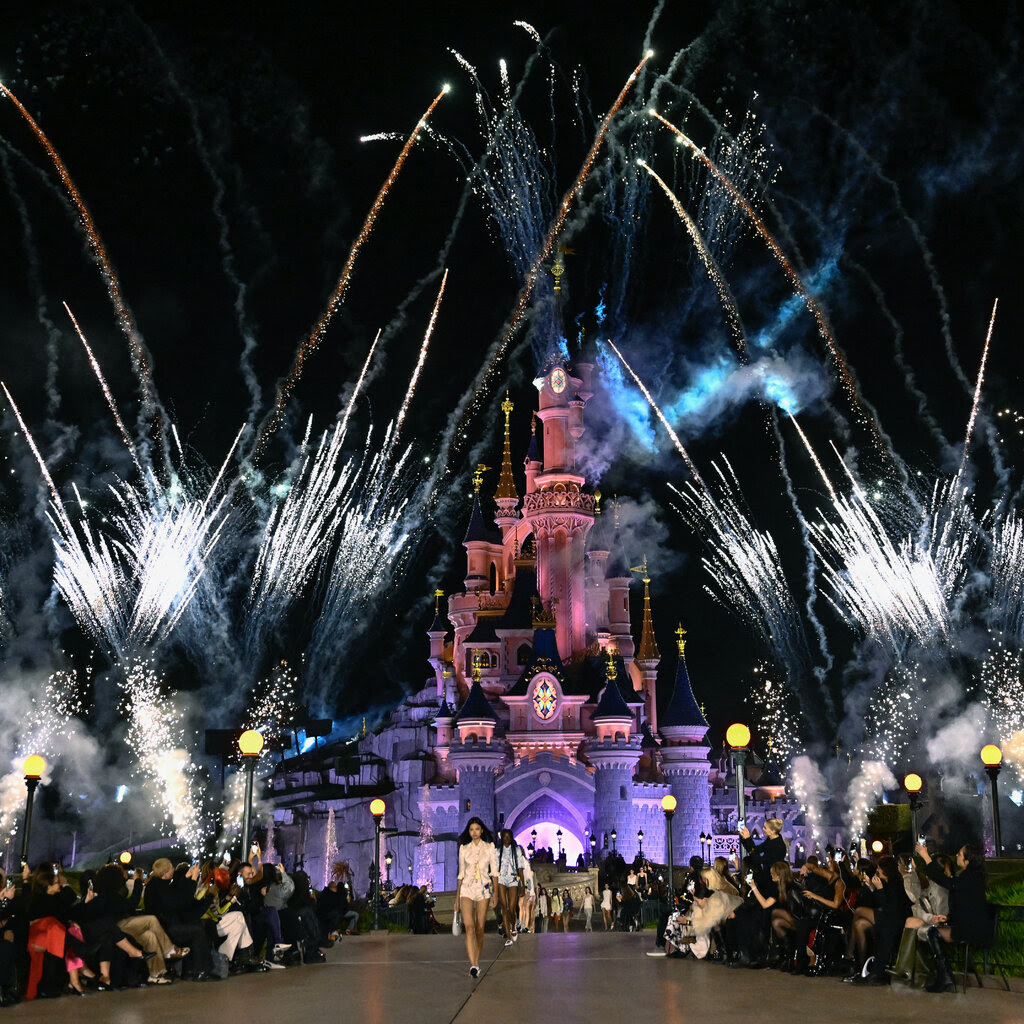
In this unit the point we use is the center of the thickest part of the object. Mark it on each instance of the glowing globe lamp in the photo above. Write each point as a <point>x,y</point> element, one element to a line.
<point>377,808</point>
<point>737,736</point>
<point>991,755</point>
<point>250,743</point>
<point>877,846</point>
<point>668,803</point>
<point>34,766</point>
<point>912,782</point>
<point>125,857</point>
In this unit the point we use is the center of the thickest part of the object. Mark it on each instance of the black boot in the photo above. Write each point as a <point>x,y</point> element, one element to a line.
<point>943,977</point>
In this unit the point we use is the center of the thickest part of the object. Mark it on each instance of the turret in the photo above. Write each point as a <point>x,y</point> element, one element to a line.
<point>505,497</point>
<point>437,632</point>
<point>684,757</point>
<point>645,665</point>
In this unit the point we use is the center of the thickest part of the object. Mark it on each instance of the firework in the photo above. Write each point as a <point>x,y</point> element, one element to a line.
<point>419,362</point>
<point>310,345</point>
<point>732,314</point>
<point>772,703</point>
<point>864,792</point>
<point>141,360</point>
<point>156,736</point>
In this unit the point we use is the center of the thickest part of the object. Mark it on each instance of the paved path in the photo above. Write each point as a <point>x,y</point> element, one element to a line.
<point>559,979</point>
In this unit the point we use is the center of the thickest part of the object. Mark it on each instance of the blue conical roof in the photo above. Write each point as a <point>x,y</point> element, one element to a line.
<point>478,529</point>
<point>683,709</point>
<point>612,704</point>
<point>476,706</point>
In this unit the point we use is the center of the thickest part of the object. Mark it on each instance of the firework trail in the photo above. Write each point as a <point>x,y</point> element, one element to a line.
<point>457,429</point>
<point>358,387</point>
<point>310,345</point>
<point>370,542</point>
<point>849,384</point>
<point>977,388</point>
<point>661,416</point>
<point>1006,567</point>
<point>745,566</point>
<point>732,314</point>
<point>419,363</point>
<point>107,394</point>
<point>893,720</point>
<point>772,703</point>
<point>53,395</point>
<point>814,456</point>
<point>141,359</point>
<point>58,504</point>
<point>810,565</point>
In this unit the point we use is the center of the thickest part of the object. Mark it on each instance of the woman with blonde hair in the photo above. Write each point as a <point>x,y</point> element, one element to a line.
<point>706,914</point>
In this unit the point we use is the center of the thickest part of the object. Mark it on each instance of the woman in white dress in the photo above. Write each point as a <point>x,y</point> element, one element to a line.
<point>477,886</point>
<point>606,907</point>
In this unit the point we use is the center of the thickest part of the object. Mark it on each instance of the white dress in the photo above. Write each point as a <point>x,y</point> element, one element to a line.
<point>477,864</point>
<point>510,863</point>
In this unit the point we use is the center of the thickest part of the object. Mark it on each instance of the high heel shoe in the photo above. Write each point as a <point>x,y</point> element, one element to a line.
<point>72,991</point>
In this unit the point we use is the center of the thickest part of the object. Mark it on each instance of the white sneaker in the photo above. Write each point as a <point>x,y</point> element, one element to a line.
<point>508,942</point>
<point>282,947</point>
<point>273,965</point>
<point>656,952</point>
<point>158,980</point>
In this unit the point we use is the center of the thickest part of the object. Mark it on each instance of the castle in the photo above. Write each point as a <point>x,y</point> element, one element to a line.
<point>542,713</point>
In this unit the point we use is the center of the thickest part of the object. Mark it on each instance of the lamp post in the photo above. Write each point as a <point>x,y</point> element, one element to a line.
<point>558,836</point>
<point>33,766</point>
<point>702,839</point>
<point>992,759</point>
<point>615,835</point>
<point>593,850</point>
<point>640,842</point>
<point>388,858</point>
<point>533,837</point>
<point>377,810</point>
<point>738,737</point>
<point>668,805</point>
<point>250,743</point>
<point>912,783</point>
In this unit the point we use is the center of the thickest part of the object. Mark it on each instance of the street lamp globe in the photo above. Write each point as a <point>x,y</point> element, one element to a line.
<point>912,783</point>
<point>377,808</point>
<point>991,755</point>
<point>34,766</point>
<point>737,736</point>
<point>668,803</point>
<point>125,857</point>
<point>877,846</point>
<point>250,743</point>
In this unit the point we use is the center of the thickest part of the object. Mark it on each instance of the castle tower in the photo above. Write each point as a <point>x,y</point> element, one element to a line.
<point>684,761</point>
<point>556,509</point>
<point>619,576</point>
<point>645,666</point>
<point>614,752</point>
<point>476,754</point>
<point>437,632</point>
<point>505,497</point>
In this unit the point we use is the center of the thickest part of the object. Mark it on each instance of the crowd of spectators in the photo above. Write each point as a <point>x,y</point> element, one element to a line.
<point>126,927</point>
<point>866,920</point>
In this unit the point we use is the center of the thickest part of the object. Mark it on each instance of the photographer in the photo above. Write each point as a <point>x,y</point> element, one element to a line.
<point>891,908</point>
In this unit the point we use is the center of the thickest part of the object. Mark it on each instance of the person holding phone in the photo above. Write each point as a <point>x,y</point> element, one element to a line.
<point>170,894</point>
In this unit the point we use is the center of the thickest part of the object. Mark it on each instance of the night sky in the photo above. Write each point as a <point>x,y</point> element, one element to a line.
<point>220,157</point>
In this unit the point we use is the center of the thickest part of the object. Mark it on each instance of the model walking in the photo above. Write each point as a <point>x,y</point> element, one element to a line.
<point>510,877</point>
<point>477,886</point>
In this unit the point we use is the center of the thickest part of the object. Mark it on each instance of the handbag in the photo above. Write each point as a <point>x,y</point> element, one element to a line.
<point>457,923</point>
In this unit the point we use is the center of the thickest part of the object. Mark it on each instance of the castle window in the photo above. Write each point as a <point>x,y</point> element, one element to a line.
<point>622,793</point>
<point>494,577</point>
<point>523,654</point>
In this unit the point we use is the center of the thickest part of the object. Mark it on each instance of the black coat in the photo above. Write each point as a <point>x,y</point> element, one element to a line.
<point>760,859</point>
<point>969,916</point>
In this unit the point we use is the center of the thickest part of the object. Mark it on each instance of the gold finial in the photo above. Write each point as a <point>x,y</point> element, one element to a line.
<point>703,709</point>
<point>643,569</point>
<point>505,494</point>
<point>438,594</point>
<point>478,476</point>
<point>597,501</point>
<point>611,670</point>
<point>680,639</point>
<point>533,423</point>
<point>362,733</point>
<point>557,270</point>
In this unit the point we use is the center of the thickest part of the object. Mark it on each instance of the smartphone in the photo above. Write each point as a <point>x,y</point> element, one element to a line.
<point>240,881</point>
<point>56,870</point>
<point>90,885</point>
<point>255,847</point>
<point>750,877</point>
<point>921,840</point>
<point>741,823</point>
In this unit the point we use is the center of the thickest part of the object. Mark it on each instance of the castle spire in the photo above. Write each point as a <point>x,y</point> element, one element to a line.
<point>506,484</point>
<point>648,650</point>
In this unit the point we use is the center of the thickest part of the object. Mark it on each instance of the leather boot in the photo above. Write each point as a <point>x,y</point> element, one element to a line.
<point>943,977</point>
<point>903,969</point>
